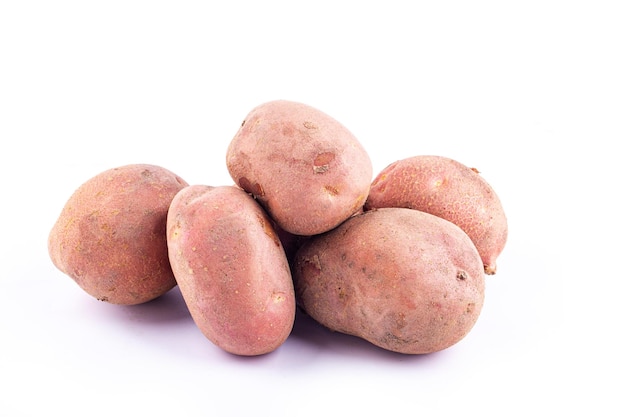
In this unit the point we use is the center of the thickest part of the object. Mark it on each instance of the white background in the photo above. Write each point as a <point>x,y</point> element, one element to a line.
<point>531,93</point>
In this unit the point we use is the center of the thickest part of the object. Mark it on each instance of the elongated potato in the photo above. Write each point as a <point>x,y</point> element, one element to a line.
<point>110,235</point>
<point>307,170</point>
<point>404,280</point>
<point>450,190</point>
<point>231,269</point>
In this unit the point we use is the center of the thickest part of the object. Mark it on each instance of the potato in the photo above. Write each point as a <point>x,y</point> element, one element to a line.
<point>110,235</point>
<point>306,169</point>
<point>231,269</point>
<point>450,190</point>
<point>404,280</point>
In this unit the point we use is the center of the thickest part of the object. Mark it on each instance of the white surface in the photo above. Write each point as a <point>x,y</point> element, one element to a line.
<point>532,94</point>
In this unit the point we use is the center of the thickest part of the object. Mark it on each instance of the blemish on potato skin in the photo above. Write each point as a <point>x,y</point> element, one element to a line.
<point>313,262</point>
<point>439,182</point>
<point>390,339</point>
<point>341,293</point>
<point>322,161</point>
<point>245,184</point>
<point>256,189</point>
<point>331,190</point>
<point>288,129</point>
<point>278,297</point>
<point>268,229</point>
<point>461,275</point>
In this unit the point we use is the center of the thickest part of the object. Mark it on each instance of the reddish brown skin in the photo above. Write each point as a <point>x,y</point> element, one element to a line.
<point>307,170</point>
<point>110,235</point>
<point>231,269</point>
<point>448,189</point>
<point>404,280</point>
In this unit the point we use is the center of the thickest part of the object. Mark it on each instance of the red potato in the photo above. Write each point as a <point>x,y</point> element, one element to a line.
<point>307,170</point>
<point>450,190</point>
<point>231,269</point>
<point>110,235</point>
<point>404,280</point>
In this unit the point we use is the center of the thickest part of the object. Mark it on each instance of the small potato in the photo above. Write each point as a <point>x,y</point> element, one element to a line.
<point>231,269</point>
<point>305,168</point>
<point>404,280</point>
<point>110,235</point>
<point>450,190</point>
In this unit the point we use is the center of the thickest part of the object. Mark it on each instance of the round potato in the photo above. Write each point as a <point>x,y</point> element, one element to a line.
<point>307,170</point>
<point>404,280</point>
<point>110,235</point>
<point>450,190</point>
<point>231,269</point>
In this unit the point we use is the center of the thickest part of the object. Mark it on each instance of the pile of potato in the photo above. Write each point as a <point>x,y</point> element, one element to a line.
<point>399,261</point>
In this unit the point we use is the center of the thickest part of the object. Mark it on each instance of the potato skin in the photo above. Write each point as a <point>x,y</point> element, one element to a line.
<point>307,170</point>
<point>450,190</point>
<point>404,280</point>
<point>231,269</point>
<point>110,235</point>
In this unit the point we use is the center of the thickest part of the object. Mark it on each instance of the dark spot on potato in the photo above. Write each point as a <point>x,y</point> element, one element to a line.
<point>331,190</point>
<point>322,161</point>
<point>470,308</point>
<point>268,229</point>
<point>251,188</point>
<point>475,170</point>
<point>245,184</point>
<point>243,123</point>
<point>312,264</point>
<point>461,275</point>
<point>341,293</point>
<point>257,190</point>
<point>401,320</point>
